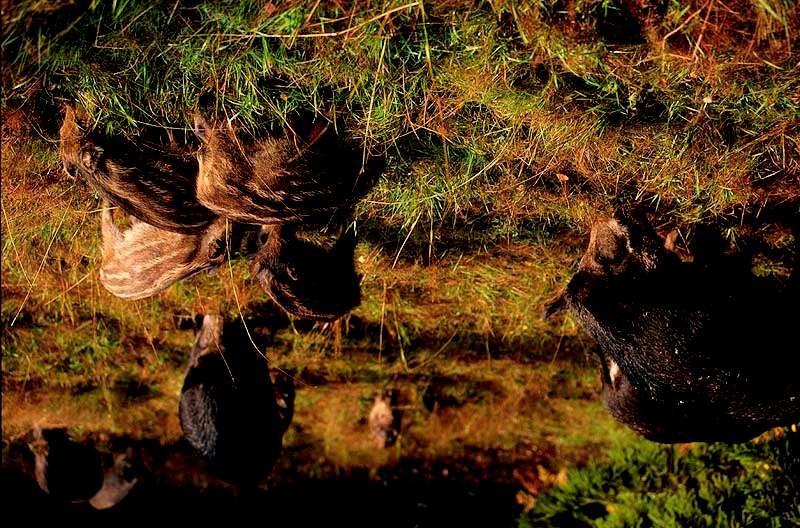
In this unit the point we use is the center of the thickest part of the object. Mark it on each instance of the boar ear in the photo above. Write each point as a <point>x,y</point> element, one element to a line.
<point>81,118</point>
<point>555,306</point>
<point>201,128</point>
<point>90,156</point>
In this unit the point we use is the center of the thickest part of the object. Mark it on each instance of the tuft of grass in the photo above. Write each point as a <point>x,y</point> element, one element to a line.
<point>748,484</point>
<point>506,129</point>
<point>666,99</point>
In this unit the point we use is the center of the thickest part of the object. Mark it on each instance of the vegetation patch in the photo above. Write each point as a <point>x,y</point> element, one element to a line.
<point>506,130</point>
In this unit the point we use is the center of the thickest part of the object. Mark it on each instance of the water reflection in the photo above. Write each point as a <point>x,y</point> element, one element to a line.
<point>172,478</point>
<point>76,473</point>
<point>231,412</point>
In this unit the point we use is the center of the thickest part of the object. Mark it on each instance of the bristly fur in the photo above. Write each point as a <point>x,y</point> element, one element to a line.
<point>230,411</point>
<point>288,179</point>
<point>144,260</point>
<point>308,281</point>
<point>690,351</point>
<point>154,183</point>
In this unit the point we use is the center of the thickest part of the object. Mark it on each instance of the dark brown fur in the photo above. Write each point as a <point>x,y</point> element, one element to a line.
<point>276,180</point>
<point>308,281</point>
<point>144,260</point>
<point>154,183</point>
<point>230,410</point>
<point>690,351</point>
<point>73,472</point>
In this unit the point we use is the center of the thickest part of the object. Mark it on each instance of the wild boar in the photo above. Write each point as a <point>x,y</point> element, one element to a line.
<point>66,470</point>
<point>69,471</point>
<point>690,351</point>
<point>291,178</point>
<point>306,280</point>
<point>229,410</point>
<point>144,259</point>
<point>155,183</point>
<point>383,420</point>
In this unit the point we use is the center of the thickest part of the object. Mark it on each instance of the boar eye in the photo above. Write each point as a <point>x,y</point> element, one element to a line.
<point>609,259</point>
<point>216,249</point>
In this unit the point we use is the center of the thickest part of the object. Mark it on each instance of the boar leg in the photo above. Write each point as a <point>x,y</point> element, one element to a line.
<point>110,231</point>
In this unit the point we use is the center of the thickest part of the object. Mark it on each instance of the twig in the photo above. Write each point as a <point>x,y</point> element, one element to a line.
<point>311,13</point>
<point>683,24</point>
<point>369,112</point>
<point>702,30</point>
<point>137,17</point>
<point>383,313</point>
<point>147,333</point>
<point>411,230</point>
<point>70,288</point>
<point>13,245</point>
<point>41,266</point>
<point>325,34</point>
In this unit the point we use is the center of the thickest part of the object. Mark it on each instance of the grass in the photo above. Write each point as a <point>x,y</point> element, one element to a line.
<point>493,96</point>
<point>506,130</point>
<point>752,484</point>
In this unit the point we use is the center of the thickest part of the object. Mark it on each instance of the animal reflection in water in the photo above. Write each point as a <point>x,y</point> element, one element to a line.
<point>69,471</point>
<point>384,420</point>
<point>144,260</point>
<point>304,279</point>
<point>155,183</point>
<point>232,411</point>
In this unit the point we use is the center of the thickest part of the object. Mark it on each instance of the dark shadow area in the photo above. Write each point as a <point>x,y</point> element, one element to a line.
<point>477,234</point>
<point>412,492</point>
<point>471,344</point>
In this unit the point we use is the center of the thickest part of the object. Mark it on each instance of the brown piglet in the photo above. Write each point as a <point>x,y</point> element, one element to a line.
<point>144,260</point>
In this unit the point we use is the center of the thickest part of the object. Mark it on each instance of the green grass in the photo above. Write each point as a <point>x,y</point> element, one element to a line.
<point>466,103</point>
<point>753,484</point>
<point>506,130</point>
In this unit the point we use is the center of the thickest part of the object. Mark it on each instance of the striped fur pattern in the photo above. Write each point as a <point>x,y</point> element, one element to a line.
<point>230,411</point>
<point>288,179</point>
<point>154,183</point>
<point>308,281</point>
<point>144,260</point>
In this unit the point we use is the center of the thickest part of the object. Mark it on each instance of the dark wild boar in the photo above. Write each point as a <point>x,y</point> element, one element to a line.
<point>155,183</point>
<point>308,281</point>
<point>69,471</point>
<point>65,469</point>
<point>293,178</point>
<point>690,351</point>
<point>144,260</point>
<point>230,411</point>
